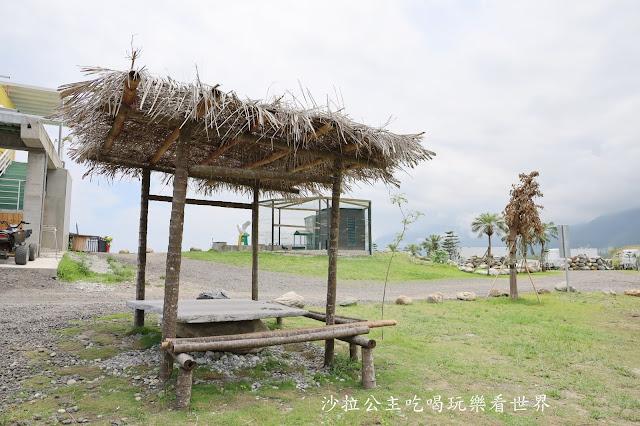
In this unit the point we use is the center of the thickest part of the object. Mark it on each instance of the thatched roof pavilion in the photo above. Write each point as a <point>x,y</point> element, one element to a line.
<point>125,121</point>
<point>133,123</point>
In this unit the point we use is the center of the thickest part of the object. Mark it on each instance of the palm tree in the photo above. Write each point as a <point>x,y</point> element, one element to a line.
<point>489,224</point>
<point>414,249</point>
<point>550,230</point>
<point>432,243</point>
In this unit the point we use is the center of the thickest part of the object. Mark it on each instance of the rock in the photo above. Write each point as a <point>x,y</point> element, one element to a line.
<point>291,299</point>
<point>149,250</point>
<point>468,269</point>
<point>434,298</point>
<point>483,266</point>
<point>543,291</point>
<point>562,286</point>
<point>584,268</point>
<point>609,292</point>
<point>466,295</point>
<point>52,354</point>
<point>498,293</point>
<point>215,294</point>
<point>71,382</point>
<point>348,301</point>
<point>451,262</point>
<point>124,251</point>
<point>482,272</point>
<point>634,292</point>
<point>495,271</point>
<point>404,300</point>
<point>195,249</point>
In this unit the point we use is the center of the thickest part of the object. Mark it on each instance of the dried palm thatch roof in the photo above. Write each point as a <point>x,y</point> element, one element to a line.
<point>123,121</point>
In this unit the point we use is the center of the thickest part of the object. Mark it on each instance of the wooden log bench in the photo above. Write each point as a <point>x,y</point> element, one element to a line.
<point>350,332</point>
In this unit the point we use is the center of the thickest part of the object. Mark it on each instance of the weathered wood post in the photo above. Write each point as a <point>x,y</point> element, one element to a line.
<point>368,371</point>
<point>333,258</point>
<point>138,318</point>
<point>353,351</point>
<point>183,389</point>
<point>174,252</point>
<point>512,241</point>
<point>254,243</point>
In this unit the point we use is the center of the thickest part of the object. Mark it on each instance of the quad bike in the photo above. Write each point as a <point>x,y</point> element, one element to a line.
<point>13,239</point>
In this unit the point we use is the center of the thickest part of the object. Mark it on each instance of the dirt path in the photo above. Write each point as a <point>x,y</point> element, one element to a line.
<point>198,276</point>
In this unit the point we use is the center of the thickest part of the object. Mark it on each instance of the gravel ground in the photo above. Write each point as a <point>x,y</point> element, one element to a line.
<point>31,306</point>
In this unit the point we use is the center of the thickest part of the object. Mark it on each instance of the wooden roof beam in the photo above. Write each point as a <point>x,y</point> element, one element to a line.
<point>125,162</point>
<point>322,160</point>
<point>201,109</point>
<point>269,159</point>
<point>126,106</point>
<point>321,131</point>
<point>275,143</point>
<point>213,172</point>
<point>218,152</point>
<point>197,202</point>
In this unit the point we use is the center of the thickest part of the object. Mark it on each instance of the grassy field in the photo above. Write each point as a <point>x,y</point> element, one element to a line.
<point>374,268</point>
<point>70,270</point>
<point>579,350</point>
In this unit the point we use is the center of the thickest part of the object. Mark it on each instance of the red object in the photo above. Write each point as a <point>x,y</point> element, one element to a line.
<point>108,248</point>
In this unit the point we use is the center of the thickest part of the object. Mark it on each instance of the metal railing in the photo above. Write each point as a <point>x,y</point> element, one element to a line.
<point>12,192</point>
<point>6,158</point>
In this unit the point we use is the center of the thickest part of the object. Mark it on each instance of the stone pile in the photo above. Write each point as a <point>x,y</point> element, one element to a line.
<point>490,266</point>
<point>582,262</point>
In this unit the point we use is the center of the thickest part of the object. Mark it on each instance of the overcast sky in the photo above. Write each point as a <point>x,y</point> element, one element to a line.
<point>499,87</point>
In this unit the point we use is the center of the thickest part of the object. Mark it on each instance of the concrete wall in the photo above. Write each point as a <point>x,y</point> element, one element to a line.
<point>33,194</point>
<point>57,208</point>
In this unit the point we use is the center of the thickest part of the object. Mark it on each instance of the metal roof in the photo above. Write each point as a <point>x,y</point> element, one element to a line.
<point>32,100</point>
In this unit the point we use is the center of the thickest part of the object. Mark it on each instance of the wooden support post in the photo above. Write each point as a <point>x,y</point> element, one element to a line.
<point>183,389</point>
<point>174,252</point>
<point>368,371</point>
<point>353,351</point>
<point>333,258</point>
<point>279,321</point>
<point>254,244</point>
<point>138,319</point>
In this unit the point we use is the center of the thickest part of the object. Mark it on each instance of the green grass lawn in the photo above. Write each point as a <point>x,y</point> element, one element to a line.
<point>403,267</point>
<point>578,350</point>
<point>70,270</point>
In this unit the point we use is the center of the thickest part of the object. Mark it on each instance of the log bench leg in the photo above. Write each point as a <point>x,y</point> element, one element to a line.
<point>279,320</point>
<point>183,389</point>
<point>368,372</point>
<point>353,351</point>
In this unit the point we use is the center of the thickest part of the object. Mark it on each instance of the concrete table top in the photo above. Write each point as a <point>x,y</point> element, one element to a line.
<point>220,310</point>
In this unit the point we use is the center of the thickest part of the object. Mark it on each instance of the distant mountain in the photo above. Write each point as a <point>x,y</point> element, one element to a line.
<point>612,230</point>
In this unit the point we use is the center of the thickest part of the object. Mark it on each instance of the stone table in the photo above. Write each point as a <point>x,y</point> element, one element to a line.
<point>213,317</point>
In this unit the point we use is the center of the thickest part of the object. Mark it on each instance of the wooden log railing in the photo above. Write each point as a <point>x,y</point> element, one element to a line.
<point>350,332</point>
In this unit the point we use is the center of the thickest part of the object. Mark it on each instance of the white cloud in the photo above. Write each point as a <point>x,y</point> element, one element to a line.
<point>500,88</point>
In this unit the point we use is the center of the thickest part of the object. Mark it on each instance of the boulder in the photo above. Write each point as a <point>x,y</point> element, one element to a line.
<point>434,298</point>
<point>291,299</point>
<point>195,249</point>
<point>543,291</point>
<point>348,301</point>
<point>404,300</point>
<point>483,266</point>
<point>562,286</point>
<point>124,252</point>
<point>495,271</point>
<point>468,269</point>
<point>634,292</point>
<point>482,272</point>
<point>609,292</point>
<point>533,265</point>
<point>466,295</point>
<point>498,293</point>
<point>149,250</point>
<point>214,294</point>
